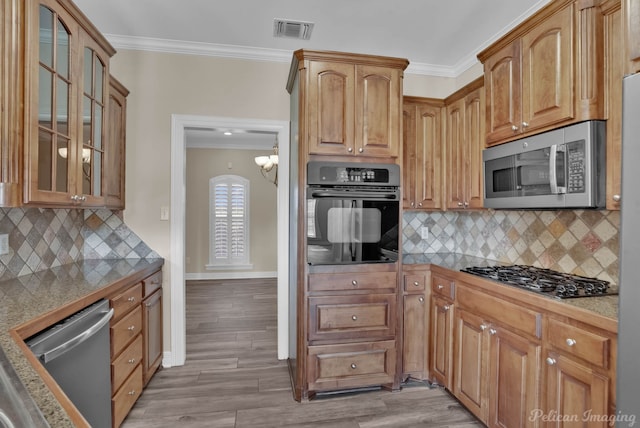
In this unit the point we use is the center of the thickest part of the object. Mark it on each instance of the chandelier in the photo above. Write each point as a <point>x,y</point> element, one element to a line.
<point>269,164</point>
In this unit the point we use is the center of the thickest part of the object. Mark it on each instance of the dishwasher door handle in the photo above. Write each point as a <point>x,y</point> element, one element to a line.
<point>59,350</point>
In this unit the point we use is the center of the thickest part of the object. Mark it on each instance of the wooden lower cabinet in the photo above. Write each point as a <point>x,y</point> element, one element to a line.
<point>471,368</point>
<point>442,341</point>
<point>136,342</point>
<point>575,390</point>
<point>415,324</point>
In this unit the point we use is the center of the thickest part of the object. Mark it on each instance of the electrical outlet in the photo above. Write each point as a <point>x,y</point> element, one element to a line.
<point>424,232</point>
<point>4,244</point>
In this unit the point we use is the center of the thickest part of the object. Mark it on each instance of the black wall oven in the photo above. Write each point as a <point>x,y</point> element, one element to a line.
<point>352,213</point>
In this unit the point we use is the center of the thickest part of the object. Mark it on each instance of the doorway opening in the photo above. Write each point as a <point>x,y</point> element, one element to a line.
<point>179,126</point>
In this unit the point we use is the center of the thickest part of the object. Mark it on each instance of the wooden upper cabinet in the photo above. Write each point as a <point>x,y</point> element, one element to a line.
<point>351,102</point>
<point>422,139</point>
<point>632,34</point>
<point>331,108</point>
<point>115,145</point>
<point>547,84</point>
<point>11,112</point>
<point>502,87</point>
<point>545,73</point>
<point>465,131</point>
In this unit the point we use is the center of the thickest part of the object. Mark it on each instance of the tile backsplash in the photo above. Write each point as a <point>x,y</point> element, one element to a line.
<point>43,238</point>
<point>584,242</point>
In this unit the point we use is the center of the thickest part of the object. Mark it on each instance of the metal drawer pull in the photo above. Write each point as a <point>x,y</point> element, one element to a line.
<point>131,299</point>
<point>132,361</point>
<point>353,365</point>
<point>551,361</point>
<point>131,328</point>
<point>571,342</point>
<point>492,331</point>
<point>132,392</point>
<point>440,286</point>
<point>354,282</point>
<point>483,327</point>
<point>355,318</point>
<point>416,283</point>
<point>445,307</point>
<point>421,299</point>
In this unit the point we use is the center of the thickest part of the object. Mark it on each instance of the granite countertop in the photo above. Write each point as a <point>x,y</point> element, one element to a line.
<point>27,297</point>
<point>606,306</point>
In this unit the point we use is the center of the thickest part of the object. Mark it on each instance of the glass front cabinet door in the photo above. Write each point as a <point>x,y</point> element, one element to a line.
<point>67,71</point>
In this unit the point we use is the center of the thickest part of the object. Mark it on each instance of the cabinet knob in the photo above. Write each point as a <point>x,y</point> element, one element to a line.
<point>353,365</point>
<point>551,361</point>
<point>525,124</point>
<point>131,299</point>
<point>492,331</point>
<point>355,318</point>
<point>440,286</point>
<point>460,204</point>
<point>132,392</point>
<point>354,283</point>
<point>413,204</point>
<point>131,327</point>
<point>465,204</point>
<point>132,361</point>
<point>350,149</point>
<point>446,307</point>
<point>419,204</point>
<point>571,342</point>
<point>416,284</point>
<point>360,150</point>
<point>483,327</point>
<point>421,299</point>
<point>75,198</point>
<point>514,128</point>
<point>616,198</point>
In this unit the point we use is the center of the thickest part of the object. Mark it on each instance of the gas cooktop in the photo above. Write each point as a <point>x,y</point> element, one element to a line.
<point>545,281</point>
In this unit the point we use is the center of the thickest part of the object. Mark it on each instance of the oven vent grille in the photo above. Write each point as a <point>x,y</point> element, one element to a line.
<point>292,29</point>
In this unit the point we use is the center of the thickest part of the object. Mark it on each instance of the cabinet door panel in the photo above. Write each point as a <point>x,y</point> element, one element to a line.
<point>409,156</point>
<point>152,334</point>
<point>454,156</point>
<point>513,379</point>
<point>471,363</point>
<point>331,108</point>
<point>573,389</point>
<point>503,91</point>
<point>547,72</point>
<point>474,131</point>
<point>632,30</point>
<point>428,155</point>
<point>416,342</point>
<point>441,347</point>
<point>378,109</point>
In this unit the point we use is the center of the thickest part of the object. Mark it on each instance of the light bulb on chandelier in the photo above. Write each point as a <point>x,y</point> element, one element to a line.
<point>268,164</point>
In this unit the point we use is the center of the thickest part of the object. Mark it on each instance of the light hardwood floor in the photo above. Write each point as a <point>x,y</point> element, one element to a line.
<point>232,377</point>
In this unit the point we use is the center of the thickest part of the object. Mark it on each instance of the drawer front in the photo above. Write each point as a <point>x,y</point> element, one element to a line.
<point>125,330</point>
<point>352,317</point>
<point>573,340</point>
<point>126,301</point>
<point>152,283</point>
<point>352,281</point>
<point>501,311</point>
<point>126,397</point>
<point>414,282</point>
<point>351,366</point>
<point>443,286</point>
<point>126,363</point>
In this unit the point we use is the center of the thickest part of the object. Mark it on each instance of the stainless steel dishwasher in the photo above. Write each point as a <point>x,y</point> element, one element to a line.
<point>76,352</point>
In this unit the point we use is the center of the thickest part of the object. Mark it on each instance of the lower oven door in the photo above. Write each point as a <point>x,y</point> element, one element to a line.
<point>344,229</point>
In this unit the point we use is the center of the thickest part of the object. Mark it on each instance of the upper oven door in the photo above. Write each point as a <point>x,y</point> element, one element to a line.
<point>352,227</point>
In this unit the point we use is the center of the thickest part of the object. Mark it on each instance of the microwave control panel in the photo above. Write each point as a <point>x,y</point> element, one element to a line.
<point>576,159</point>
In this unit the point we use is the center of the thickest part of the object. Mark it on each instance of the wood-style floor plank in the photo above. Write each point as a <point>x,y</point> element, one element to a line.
<point>233,379</point>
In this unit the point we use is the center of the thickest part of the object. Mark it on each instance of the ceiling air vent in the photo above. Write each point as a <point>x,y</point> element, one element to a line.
<point>292,29</point>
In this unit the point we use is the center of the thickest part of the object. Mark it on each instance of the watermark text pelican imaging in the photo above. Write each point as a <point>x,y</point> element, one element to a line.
<point>587,416</point>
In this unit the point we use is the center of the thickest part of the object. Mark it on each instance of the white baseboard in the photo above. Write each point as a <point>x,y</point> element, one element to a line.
<point>229,275</point>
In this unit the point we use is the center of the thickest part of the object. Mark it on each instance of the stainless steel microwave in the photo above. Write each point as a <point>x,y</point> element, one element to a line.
<point>563,168</point>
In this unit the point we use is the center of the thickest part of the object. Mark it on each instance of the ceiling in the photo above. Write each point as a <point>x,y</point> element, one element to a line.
<point>438,37</point>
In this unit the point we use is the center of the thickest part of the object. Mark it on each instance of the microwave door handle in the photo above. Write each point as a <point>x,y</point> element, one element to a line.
<point>553,176</point>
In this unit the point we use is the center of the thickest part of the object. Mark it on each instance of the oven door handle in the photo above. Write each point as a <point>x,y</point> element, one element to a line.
<point>553,177</point>
<point>350,195</point>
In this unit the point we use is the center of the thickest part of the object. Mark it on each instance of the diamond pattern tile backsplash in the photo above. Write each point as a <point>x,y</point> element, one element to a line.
<point>43,238</point>
<point>584,242</point>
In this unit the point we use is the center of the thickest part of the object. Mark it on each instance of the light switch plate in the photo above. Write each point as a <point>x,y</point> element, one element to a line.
<point>4,244</point>
<point>424,232</point>
<point>164,213</point>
